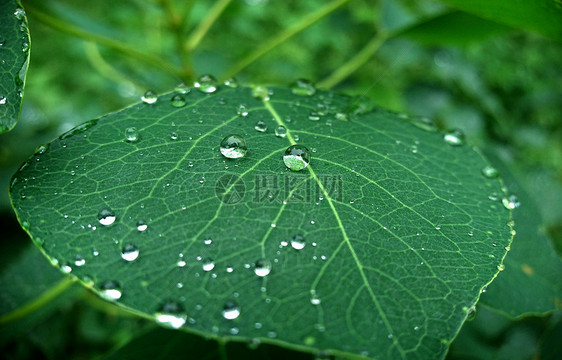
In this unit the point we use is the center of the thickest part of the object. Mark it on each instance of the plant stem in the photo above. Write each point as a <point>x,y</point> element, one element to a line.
<point>277,40</point>
<point>125,49</point>
<point>354,63</point>
<point>205,25</point>
<point>38,302</point>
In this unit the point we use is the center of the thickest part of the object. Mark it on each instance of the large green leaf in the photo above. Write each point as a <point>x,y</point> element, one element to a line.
<point>542,16</point>
<point>14,58</point>
<point>530,283</point>
<point>398,231</point>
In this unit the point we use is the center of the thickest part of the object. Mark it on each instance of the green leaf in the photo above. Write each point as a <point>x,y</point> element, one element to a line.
<point>385,210</point>
<point>14,58</point>
<point>530,283</point>
<point>460,29</point>
<point>542,16</point>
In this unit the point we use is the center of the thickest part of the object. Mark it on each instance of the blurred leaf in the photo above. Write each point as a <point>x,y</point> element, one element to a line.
<point>454,28</point>
<point>14,56</point>
<point>136,193</point>
<point>531,282</point>
<point>543,16</point>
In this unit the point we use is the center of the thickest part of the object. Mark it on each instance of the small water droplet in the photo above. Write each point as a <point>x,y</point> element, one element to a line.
<point>66,268</point>
<point>149,97</point>
<point>511,202</point>
<point>182,88</point>
<point>424,123</point>
<point>233,146</point>
<point>3,100</point>
<point>231,82</point>
<point>206,84</point>
<point>454,137</point>
<point>79,260</point>
<point>261,92</point>
<point>208,241</point>
<point>262,267</point>
<point>230,310</point>
<point>208,264</point>
<point>281,131</point>
<point>314,299</point>
<point>111,290</point>
<point>174,136</point>
<point>131,135</point>
<point>178,101</point>
<point>229,269</point>
<point>297,157</point>
<point>313,116</point>
<point>260,126</point>
<point>129,252</point>
<point>171,314</point>
<point>297,242</point>
<point>106,216</point>
<point>19,13</point>
<point>25,46</point>
<point>142,225</point>
<point>303,87</point>
<point>242,110</point>
<point>501,267</point>
<point>490,172</point>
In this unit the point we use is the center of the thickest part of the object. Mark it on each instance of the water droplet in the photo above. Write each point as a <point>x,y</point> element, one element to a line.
<point>142,225</point>
<point>3,100</point>
<point>261,92</point>
<point>233,146</point>
<point>242,110</point>
<point>230,310</point>
<point>229,269</point>
<point>262,267</point>
<point>25,46</point>
<point>131,135</point>
<point>490,172</point>
<point>314,299</point>
<point>501,267</point>
<point>281,131</point>
<point>303,87</point>
<point>182,88</point>
<point>178,101</point>
<point>297,242</point>
<point>171,314</point>
<point>79,260</point>
<point>149,97</point>
<point>454,137</point>
<point>206,84</point>
<point>129,252</point>
<point>208,264</point>
<point>19,13</point>
<point>66,268</point>
<point>111,290</point>
<point>511,202</point>
<point>106,216</point>
<point>296,157</point>
<point>231,82</point>
<point>260,126</point>
<point>208,241</point>
<point>313,116</point>
<point>424,123</point>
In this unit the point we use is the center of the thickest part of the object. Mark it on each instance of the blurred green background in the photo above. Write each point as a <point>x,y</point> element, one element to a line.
<point>502,86</point>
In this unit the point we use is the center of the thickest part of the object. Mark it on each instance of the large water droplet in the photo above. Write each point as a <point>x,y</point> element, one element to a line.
<point>296,157</point>
<point>206,84</point>
<point>511,202</point>
<point>230,310</point>
<point>111,290</point>
<point>454,137</point>
<point>106,216</point>
<point>297,242</point>
<point>260,126</point>
<point>149,97</point>
<point>490,172</point>
<point>129,252</point>
<point>171,314</point>
<point>262,267</point>
<point>303,87</point>
<point>131,134</point>
<point>208,264</point>
<point>233,146</point>
<point>178,101</point>
<point>281,131</point>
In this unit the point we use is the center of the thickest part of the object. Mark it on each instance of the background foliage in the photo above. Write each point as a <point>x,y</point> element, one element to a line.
<point>501,85</point>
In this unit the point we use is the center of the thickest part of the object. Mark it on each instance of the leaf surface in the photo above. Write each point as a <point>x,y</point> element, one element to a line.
<point>14,58</point>
<point>542,16</point>
<point>397,227</point>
